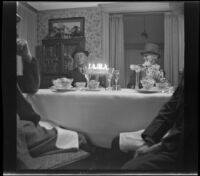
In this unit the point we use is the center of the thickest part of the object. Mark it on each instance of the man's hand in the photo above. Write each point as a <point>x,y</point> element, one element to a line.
<point>23,50</point>
<point>146,148</point>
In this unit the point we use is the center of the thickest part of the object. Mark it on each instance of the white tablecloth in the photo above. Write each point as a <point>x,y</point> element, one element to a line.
<point>101,115</point>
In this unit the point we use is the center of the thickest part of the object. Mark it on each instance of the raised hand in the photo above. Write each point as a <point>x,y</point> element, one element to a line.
<point>23,50</point>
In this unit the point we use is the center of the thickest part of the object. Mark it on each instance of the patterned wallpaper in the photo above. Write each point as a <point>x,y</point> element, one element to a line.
<point>93,29</point>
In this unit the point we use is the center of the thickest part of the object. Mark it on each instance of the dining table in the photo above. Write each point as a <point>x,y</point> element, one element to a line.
<point>99,114</point>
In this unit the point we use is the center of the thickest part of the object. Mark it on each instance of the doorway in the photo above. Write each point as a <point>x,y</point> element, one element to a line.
<point>134,26</point>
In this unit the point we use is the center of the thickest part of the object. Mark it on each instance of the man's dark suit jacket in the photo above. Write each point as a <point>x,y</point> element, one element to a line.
<point>77,76</point>
<point>170,118</point>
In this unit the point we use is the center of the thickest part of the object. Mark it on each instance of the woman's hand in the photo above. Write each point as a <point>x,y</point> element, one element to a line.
<point>146,148</point>
<point>23,50</point>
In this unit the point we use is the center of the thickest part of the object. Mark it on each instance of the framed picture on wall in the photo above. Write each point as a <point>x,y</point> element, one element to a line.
<point>67,27</point>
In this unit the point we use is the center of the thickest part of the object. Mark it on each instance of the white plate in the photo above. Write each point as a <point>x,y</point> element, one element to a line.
<point>62,89</point>
<point>149,91</point>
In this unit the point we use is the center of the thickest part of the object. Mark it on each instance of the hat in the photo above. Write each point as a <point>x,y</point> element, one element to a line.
<point>79,50</point>
<point>19,18</point>
<point>151,48</point>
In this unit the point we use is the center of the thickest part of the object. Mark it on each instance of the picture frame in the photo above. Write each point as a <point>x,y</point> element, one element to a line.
<point>67,27</point>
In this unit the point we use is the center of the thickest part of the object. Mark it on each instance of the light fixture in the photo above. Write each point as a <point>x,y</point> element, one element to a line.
<point>144,34</point>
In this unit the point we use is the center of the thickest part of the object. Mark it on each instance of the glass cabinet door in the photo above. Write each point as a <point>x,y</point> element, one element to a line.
<point>67,60</point>
<point>68,47</point>
<point>51,63</point>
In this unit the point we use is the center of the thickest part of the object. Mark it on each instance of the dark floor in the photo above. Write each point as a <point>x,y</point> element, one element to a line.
<point>104,160</point>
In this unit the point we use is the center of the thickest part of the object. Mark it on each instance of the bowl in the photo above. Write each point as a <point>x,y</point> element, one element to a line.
<point>80,85</point>
<point>147,83</point>
<point>93,84</point>
<point>62,83</point>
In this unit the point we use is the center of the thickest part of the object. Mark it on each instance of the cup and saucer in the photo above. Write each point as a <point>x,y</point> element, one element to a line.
<point>93,86</point>
<point>62,85</point>
<point>148,86</point>
<point>80,85</point>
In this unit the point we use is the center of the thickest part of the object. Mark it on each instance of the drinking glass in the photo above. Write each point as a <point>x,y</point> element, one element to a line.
<point>109,77</point>
<point>87,75</point>
<point>116,75</point>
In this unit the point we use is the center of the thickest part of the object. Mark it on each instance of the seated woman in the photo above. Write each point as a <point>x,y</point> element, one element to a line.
<point>36,137</point>
<point>150,56</point>
<point>80,61</point>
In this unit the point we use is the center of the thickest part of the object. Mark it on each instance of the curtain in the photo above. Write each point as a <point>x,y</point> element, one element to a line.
<point>116,45</point>
<point>105,37</point>
<point>28,27</point>
<point>174,46</point>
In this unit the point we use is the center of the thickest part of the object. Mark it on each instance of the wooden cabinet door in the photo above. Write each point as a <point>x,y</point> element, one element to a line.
<point>51,58</point>
<point>67,50</point>
<point>47,81</point>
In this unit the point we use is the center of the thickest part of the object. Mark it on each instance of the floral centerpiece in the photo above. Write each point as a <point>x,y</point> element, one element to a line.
<point>147,83</point>
<point>153,75</point>
<point>153,72</point>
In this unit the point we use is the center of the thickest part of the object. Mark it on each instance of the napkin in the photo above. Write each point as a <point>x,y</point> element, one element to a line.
<point>130,141</point>
<point>66,139</point>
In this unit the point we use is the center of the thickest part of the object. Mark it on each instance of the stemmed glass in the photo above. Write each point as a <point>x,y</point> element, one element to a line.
<point>116,74</point>
<point>137,80</point>
<point>87,75</point>
<point>109,77</point>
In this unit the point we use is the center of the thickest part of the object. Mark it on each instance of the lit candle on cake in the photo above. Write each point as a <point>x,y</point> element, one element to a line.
<point>98,69</point>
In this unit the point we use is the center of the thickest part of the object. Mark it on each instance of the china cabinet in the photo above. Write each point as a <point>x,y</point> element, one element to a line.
<point>55,54</point>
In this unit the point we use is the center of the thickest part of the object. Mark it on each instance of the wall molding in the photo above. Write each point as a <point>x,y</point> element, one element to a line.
<point>63,9</point>
<point>29,6</point>
<point>135,7</point>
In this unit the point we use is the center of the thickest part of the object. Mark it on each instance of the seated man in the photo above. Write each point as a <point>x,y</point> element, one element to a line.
<point>150,56</point>
<point>160,152</point>
<point>38,138</point>
<point>80,64</point>
<point>80,60</point>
